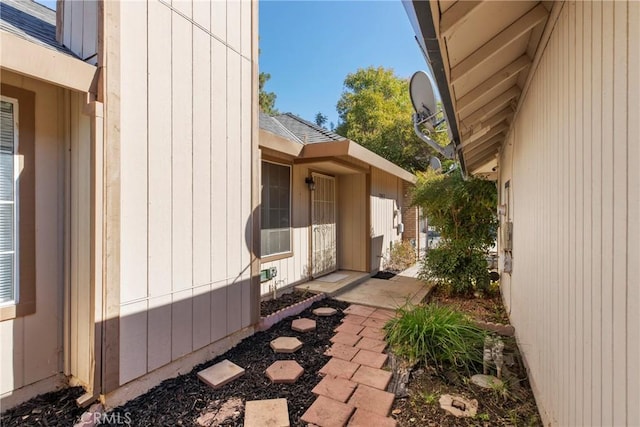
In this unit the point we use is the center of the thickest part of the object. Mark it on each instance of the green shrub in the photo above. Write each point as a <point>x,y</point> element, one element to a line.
<point>437,335</point>
<point>458,269</point>
<point>401,256</point>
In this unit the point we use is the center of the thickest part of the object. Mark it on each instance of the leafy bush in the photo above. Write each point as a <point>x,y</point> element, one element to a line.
<point>436,335</point>
<point>401,256</point>
<point>458,269</point>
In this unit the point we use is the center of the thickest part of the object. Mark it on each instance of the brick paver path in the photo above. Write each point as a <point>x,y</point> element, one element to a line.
<point>353,388</point>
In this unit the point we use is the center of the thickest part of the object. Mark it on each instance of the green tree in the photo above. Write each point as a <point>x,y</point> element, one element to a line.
<point>321,119</point>
<point>267,100</point>
<point>375,110</point>
<point>463,211</point>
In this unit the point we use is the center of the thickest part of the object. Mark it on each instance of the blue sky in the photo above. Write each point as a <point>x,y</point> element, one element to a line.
<point>309,47</point>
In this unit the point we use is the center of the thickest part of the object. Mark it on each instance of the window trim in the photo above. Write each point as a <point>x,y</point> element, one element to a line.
<point>26,118</point>
<point>16,201</point>
<point>286,254</point>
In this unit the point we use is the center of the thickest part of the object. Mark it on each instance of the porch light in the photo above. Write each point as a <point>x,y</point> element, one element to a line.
<point>310,182</point>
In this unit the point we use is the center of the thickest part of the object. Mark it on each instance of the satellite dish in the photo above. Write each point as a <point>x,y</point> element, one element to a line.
<point>422,96</point>
<point>435,163</point>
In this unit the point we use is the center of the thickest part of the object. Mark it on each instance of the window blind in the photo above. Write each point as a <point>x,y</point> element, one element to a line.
<point>8,199</point>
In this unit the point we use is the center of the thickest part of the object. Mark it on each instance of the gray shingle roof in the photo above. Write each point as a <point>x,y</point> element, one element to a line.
<point>272,125</point>
<point>31,21</point>
<point>306,132</point>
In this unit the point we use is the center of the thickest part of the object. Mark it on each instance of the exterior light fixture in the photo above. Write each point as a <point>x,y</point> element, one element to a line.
<point>310,182</point>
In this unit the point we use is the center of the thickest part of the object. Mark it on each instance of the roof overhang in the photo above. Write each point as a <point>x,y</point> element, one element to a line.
<point>33,60</point>
<point>482,54</point>
<point>340,157</point>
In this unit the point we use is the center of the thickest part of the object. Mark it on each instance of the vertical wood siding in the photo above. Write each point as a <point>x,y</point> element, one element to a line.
<point>572,159</point>
<point>80,28</point>
<point>386,198</point>
<point>352,223</point>
<point>185,176</point>
<point>32,345</point>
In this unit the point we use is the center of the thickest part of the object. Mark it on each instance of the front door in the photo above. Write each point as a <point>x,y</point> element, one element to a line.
<point>323,225</point>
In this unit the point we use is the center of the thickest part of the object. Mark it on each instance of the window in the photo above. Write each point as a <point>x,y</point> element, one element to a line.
<point>8,201</point>
<point>275,209</point>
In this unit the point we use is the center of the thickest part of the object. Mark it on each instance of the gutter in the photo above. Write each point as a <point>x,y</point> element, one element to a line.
<point>425,20</point>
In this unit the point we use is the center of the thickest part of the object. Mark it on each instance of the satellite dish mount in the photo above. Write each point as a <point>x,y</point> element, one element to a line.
<point>426,112</point>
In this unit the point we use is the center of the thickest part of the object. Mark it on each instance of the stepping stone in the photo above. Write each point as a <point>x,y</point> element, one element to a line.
<point>382,314</point>
<point>350,328</point>
<point>339,368</point>
<point>486,381</point>
<point>353,318</point>
<point>374,323</point>
<point>370,358</point>
<point>286,344</point>
<point>327,412</point>
<point>364,418</point>
<point>221,373</point>
<point>341,351</point>
<point>345,338</point>
<point>371,344</point>
<point>375,333</point>
<point>325,311</point>
<point>335,388</point>
<point>284,372</point>
<point>359,310</point>
<point>303,325</point>
<point>266,413</point>
<point>372,377</point>
<point>373,400</point>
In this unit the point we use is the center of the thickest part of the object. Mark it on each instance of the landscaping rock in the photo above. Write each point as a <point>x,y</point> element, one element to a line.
<point>459,405</point>
<point>486,381</point>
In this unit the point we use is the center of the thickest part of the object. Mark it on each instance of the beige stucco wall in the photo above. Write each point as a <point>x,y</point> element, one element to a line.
<point>572,161</point>
<point>185,178</point>
<point>31,347</point>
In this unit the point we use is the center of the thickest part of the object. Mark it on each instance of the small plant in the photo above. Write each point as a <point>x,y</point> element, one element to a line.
<point>436,335</point>
<point>483,417</point>
<point>501,389</point>
<point>401,256</point>
<point>429,398</point>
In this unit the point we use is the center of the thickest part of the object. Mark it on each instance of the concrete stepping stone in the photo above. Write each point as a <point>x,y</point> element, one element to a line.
<point>364,418</point>
<point>371,344</point>
<point>345,338</point>
<point>375,333</point>
<point>373,400</point>
<point>327,412</point>
<point>325,311</point>
<point>266,413</point>
<point>374,323</point>
<point>284,372</point>
<point>372,359</point>
<point>339,368</point>
<point>220,374</point>
<point>353,318</point>
<point>350,328</point>
<point>372,377</point>
<point>303,325</point>
<point>286,344</point>
<point>360,310</point>
<point>335,388</point>
<point>341,351</point>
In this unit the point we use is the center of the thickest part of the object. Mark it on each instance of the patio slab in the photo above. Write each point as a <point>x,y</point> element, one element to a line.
<point>364,418</point>
<point>389,294</point>
<point>372,377</point>
<point>266,413</point>
<point>347,280</point>
<point>371,399</point>
<point>336,388</point>
<point>221,373</point>
<point>325,412</point>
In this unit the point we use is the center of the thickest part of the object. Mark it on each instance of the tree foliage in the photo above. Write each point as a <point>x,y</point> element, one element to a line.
<point>463,211</point>
<point>375,111</point>
<point>321,119</point>
<point>267,100</point>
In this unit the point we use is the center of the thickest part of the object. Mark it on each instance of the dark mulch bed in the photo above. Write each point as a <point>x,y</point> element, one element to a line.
<point>285,300</point>
<point>181,400</point>
<point>57,408</point>
<point>513,405</point>
<point>385,274</point>
<point>488,308</point>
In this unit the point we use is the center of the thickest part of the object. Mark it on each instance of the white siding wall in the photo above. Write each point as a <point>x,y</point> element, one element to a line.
<point>80,28</point>
<point>296,268</point>
<point>386,198</point>
<point>573,159</point>
<point>31,346</point>
<point>186,84</point>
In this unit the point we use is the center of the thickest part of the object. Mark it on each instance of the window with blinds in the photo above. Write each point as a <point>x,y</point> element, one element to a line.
<point>8,203</point>
<point>275,209</point>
